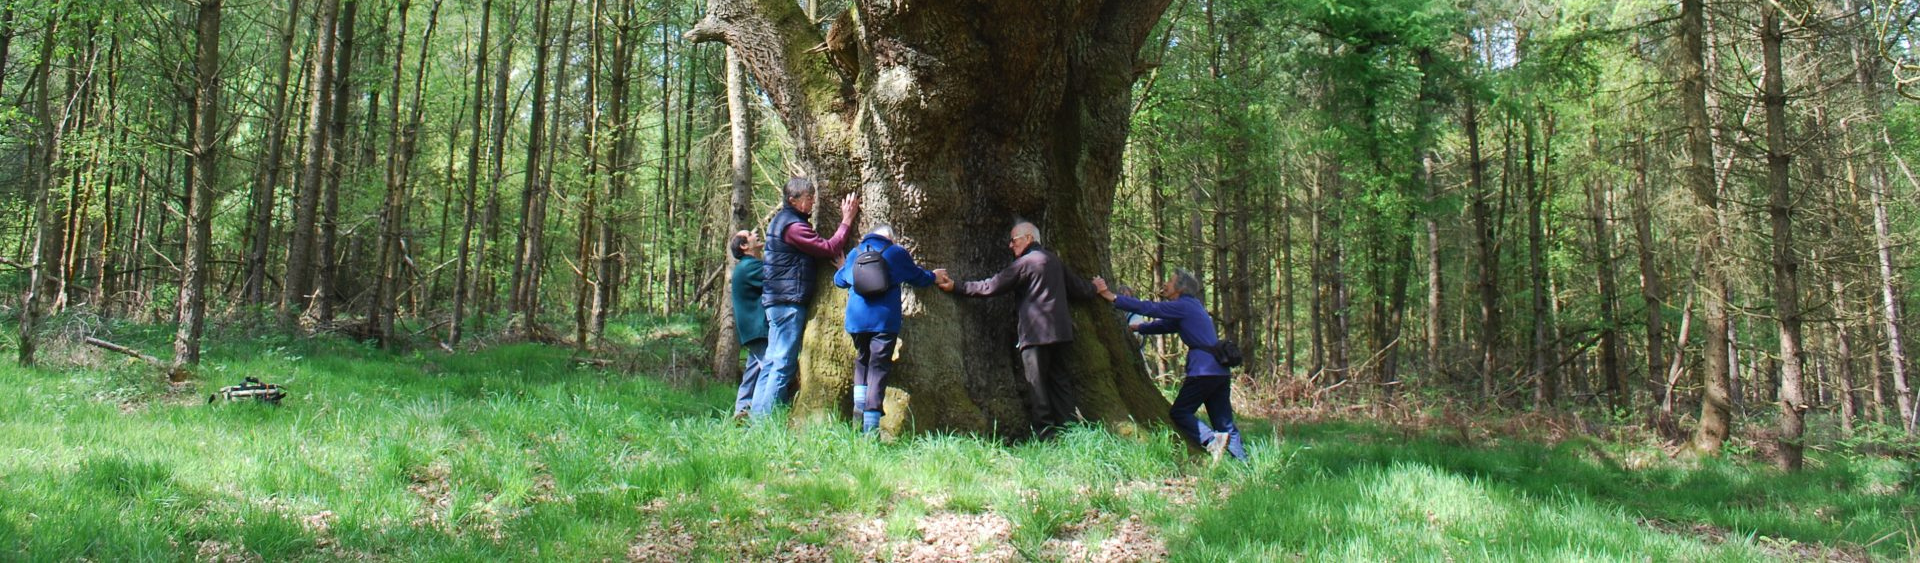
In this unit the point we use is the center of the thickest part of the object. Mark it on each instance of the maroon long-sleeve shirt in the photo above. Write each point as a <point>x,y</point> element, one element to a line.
<point>802,236</point>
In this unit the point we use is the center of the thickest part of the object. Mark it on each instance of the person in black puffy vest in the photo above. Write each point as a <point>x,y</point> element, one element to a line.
<point>792,249</point>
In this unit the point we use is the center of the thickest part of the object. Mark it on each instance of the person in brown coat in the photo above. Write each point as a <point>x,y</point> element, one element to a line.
<point>1042,284</point>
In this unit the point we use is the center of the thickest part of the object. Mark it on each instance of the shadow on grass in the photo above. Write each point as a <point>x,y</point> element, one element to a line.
<point>1342,490</point>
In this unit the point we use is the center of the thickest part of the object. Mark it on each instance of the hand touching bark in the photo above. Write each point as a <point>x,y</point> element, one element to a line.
<point>1100,287</point>
<point>849,209</point>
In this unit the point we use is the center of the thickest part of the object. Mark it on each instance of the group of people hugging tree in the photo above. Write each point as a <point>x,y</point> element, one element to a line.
<point>773,281</point>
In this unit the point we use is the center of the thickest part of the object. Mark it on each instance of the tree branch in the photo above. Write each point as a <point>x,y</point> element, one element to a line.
<point>773,37</point>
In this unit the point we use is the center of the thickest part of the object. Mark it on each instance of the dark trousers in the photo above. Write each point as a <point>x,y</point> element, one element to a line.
<point>1045,364</point>
<point>1215,393</point>
<point>873,360</point>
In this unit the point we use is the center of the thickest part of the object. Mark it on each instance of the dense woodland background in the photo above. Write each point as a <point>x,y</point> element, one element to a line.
<point>1694,216</point>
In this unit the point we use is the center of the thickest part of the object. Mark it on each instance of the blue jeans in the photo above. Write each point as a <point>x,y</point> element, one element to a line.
<point>1216,393</point>
<point>786,322</point>
<point>750,375</point>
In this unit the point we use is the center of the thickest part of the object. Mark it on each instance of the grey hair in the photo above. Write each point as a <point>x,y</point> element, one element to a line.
<point>883,231</point>
<point>797,187</point>
<point>1026,228</point>
<point>1186,283</point>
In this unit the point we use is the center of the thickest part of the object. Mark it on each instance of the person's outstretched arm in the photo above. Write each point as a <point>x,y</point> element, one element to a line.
<point>906,269</point>
<point>1000,283</point>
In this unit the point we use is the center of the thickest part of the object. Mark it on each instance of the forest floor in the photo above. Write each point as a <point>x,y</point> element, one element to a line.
<point>518,452</point>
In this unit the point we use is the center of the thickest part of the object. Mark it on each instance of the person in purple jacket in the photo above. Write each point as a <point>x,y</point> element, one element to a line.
<point>874,320</point>
<point>1207,382</point>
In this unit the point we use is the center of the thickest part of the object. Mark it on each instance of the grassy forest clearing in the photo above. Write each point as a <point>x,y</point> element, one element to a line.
<point>1512,279</point>
<point>518,452</point>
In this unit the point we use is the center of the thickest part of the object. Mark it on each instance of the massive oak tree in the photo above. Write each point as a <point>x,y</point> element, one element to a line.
<point>950,119</point>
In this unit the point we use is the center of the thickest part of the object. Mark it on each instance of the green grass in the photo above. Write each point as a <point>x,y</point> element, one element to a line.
<point>515,453</point>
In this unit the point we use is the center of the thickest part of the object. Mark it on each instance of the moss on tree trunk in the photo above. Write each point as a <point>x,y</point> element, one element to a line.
<point>951,120</point>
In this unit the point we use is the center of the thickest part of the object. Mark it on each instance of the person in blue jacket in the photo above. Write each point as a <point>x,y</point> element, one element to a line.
<point>1207,382</point>
<point>874,321</point>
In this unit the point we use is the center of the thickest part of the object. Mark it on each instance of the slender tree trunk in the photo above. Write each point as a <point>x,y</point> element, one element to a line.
<point>1435,274</point>
<point>1843,357</point>
<point>541,259</point>
<point>200,203</point>
<point>260,215</point>
<point>1879,189</point>
<point>327,259</point>
<point>461,289</point>
<point>44,169</point>
<point>400,140</point>
<point>1316,296</point>
<point>584,250</point>
<point>1334,268</point>
<point>1286,275</point>
<point>380,312</point>
<point>1786,266</point>
<point>497,150</point>
<point>72,119</point>
<point>533,196</point>
<point>110,207</point>
<point>1545,391</point>
<point>1716,407</point>
<point>1651,291</point>
<point>607,269</point>
<point>298,288</point>
<point>1599,202</point>
<point>1483,228</point>
<point>1890,305</point>
<point>726,353</point>
<point>7,31</point>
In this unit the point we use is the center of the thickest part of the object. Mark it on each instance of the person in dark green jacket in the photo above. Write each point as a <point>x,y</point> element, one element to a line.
<point>749,316</point>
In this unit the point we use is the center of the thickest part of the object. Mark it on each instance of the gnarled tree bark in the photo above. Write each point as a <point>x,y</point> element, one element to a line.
<point>949,120</point>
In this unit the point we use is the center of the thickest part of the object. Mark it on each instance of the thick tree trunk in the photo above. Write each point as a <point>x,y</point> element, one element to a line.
<point>962,125</point>
<point>1716,407</point>
<point>1786,267</point>
<point>298,288</point>
<point>260,216</point>
<point>199,228</point>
